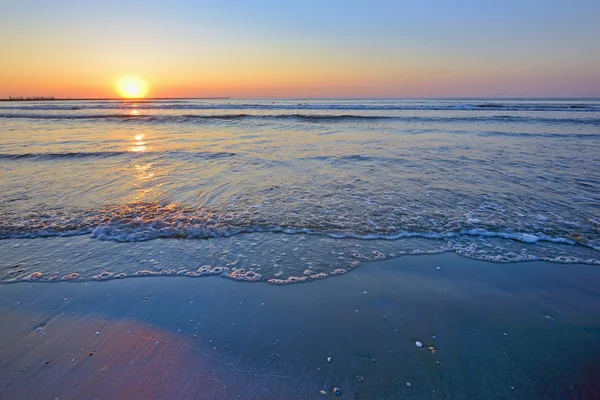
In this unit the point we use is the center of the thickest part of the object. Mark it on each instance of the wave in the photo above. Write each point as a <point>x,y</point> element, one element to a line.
<point>308,105</point>
<point>51,156</point>
<point>105,154</point>
<point>308,118</point>
<point>150,117</point>
<point>161,230</point>
<point>148,221</point>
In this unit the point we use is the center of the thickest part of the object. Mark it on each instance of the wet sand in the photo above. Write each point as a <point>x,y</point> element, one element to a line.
<point>500,331</point>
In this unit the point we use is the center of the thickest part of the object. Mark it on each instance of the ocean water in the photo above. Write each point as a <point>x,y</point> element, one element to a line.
<point>294,190</point>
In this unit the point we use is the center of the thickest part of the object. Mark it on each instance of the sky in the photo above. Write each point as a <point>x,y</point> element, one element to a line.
<point>308,48</point>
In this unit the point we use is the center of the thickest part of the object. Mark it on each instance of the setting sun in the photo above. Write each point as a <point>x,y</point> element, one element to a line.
<point>132,87</point>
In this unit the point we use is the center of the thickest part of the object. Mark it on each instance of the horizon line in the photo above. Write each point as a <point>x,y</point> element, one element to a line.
<point>49,98</point>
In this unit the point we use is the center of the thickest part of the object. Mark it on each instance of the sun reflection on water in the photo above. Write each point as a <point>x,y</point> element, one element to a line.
<point>139,145</point>
<point>147,190</point>
<point>144,172</point>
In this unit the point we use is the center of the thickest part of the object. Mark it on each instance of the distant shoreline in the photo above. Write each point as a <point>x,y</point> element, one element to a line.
<point>307,98</point>
<point>114,98</point>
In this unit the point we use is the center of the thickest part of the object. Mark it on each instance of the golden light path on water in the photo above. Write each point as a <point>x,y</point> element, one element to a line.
<point>139,144</point>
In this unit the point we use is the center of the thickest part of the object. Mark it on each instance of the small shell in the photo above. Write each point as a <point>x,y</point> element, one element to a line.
<point>419,344</point>
<point>323,392</point>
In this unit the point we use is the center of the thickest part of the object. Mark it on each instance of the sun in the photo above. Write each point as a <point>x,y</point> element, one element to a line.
<point>132,87</point>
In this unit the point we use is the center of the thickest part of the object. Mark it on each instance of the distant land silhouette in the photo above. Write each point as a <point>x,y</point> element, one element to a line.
<point>44,98</point>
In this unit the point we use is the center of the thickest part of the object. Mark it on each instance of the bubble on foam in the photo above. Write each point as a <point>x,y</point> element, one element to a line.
<point>168,272</point>
<point>241,275</point>
<point>377,255</point>
<point>219,270</point>
<point>320,275</point>
<point>103,276</point>
<point>70,277</point>
<point>275,281</point>
<point>144,272</point>
<point>289,280</point>
<point>207,270</point>
<point>33,276</point>
<point>297,279</point>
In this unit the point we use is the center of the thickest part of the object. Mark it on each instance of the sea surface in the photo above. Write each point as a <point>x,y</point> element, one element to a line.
<point>292,190</point>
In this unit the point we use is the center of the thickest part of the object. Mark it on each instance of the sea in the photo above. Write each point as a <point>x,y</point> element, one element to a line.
<point>288,191</point>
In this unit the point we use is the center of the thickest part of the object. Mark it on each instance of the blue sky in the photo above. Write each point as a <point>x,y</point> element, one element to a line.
<point>303,48</point>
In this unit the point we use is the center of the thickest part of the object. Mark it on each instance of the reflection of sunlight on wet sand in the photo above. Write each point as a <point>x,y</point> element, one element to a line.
<point>119,362</point>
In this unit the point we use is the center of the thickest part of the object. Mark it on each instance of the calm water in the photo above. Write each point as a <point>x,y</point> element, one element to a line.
<point>305,188</point>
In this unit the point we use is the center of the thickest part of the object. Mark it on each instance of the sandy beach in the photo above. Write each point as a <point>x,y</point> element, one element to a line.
<point>263,200</point>
<point>494,331</point>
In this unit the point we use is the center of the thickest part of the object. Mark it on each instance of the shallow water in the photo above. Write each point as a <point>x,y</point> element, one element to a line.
<point>300,188</point>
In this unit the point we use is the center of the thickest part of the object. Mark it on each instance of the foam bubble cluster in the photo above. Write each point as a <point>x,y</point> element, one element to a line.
<point>207,270</point>
<point>33,277</point>
<point>70,277</point>
<point>242,275</point>
<point>298,279</point>
<point>103,276</point>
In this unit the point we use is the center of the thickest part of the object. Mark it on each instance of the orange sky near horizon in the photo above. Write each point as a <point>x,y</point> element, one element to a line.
<point>79,49</point>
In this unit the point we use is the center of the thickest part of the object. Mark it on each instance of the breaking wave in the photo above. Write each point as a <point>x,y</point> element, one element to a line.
<point>314,118</point>
<point>381,105</point>
<point>105,154</point>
